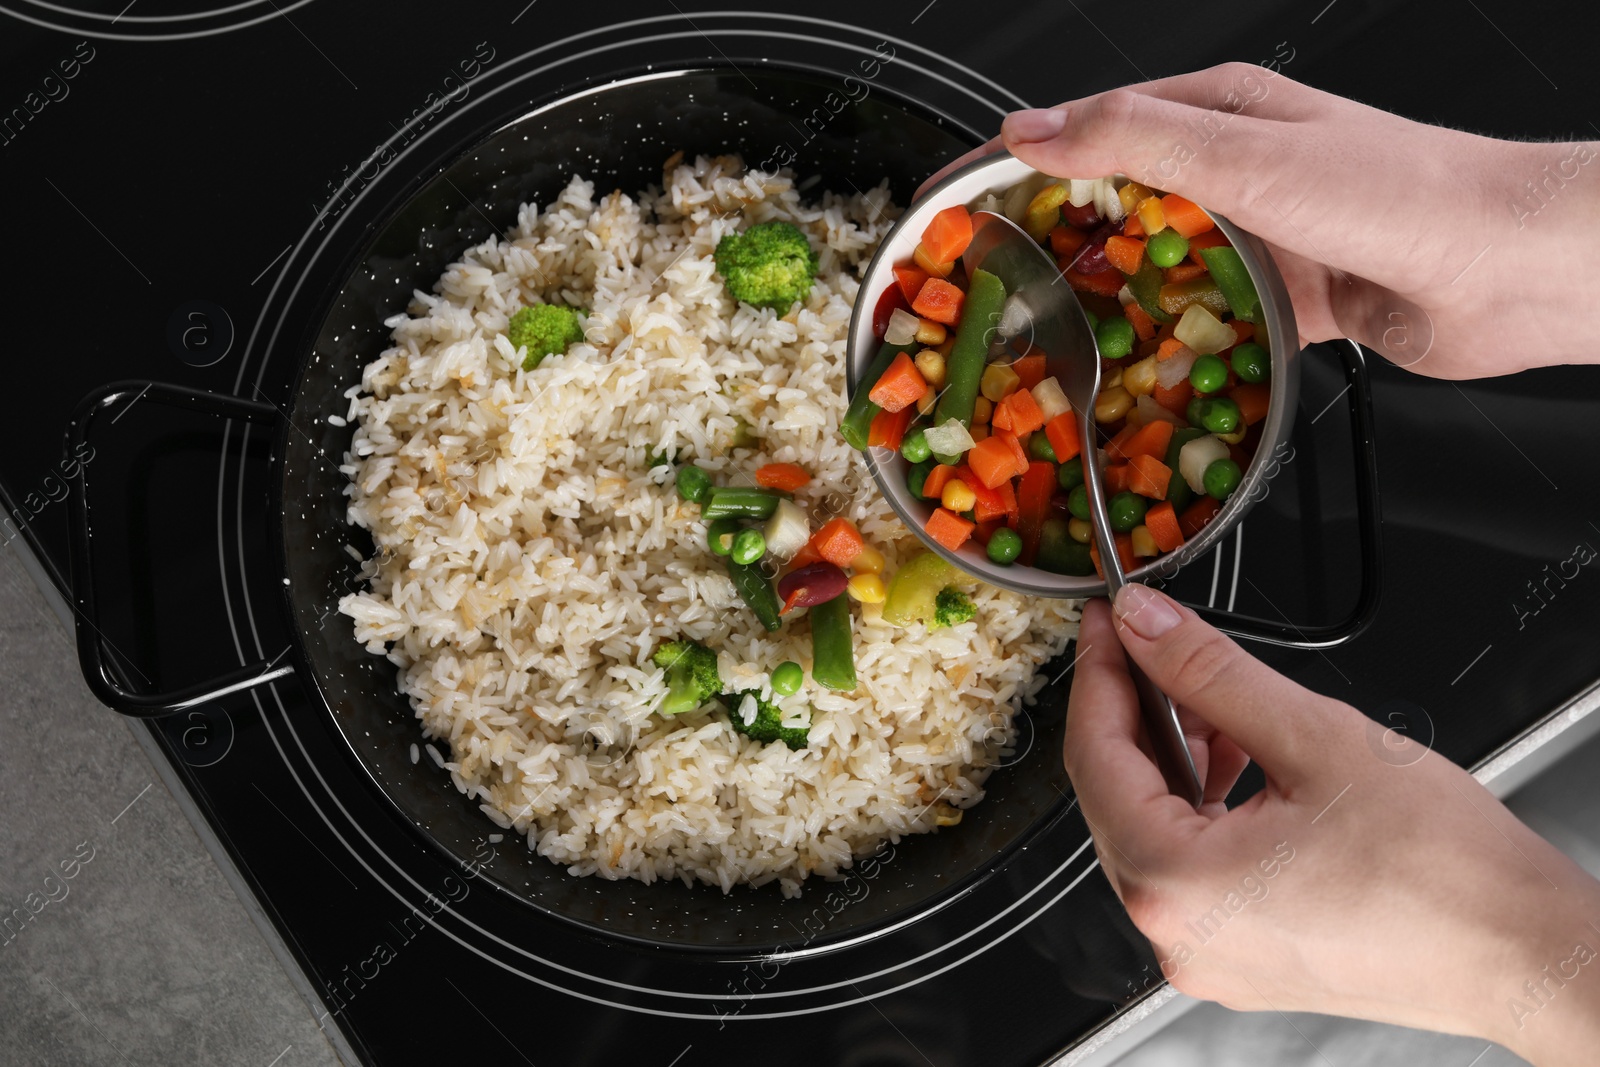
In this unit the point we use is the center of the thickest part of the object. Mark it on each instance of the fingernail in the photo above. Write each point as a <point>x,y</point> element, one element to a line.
<point>1037,125</point>
<point>1145,611</point>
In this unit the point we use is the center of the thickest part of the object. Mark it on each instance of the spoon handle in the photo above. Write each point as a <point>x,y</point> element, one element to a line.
<point>1160,717</point>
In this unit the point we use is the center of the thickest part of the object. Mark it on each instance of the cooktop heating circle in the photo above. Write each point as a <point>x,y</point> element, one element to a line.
<point>175,26</point>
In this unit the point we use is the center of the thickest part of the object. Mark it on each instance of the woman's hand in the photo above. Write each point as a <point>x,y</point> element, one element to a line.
<point>1370,878</point>
<point>1454,255</point>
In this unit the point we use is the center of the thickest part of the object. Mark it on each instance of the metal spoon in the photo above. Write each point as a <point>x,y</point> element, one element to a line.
<point>1039,300</point>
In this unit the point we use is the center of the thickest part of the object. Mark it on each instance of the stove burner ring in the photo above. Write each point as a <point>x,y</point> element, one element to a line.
<point>126,26</point>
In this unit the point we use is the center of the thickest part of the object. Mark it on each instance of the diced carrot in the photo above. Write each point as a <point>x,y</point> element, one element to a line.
<point>1252,400</point>
<point>987,503</point>
<point>933,485</point>
<point>948,528</point>
<point>888,428</point>
<point>1120,438</point>
<point>1124,543</point>
<point>806,556</point>
<point>1162,522</point>
<point>1025,414</point>
<point>1176,399</point>
<point>1065,241</point>
<point>1149,476</point>
<point>1151,439</point>
<point>1144,327</point>
<point>1242,330</point>
<point>1185,215</point>
<point>939,301</point>
<point>910,280</point>
<point>838,541</point>
<point>1168,348</point>
<point>1000,417</point>
<point>1201,241</point>
<point>1183,272</point>
<point>948,234</point>
<point>902,385</point>
<point>1125,253</point>
<point>1008,498</point>
<point>784,476</point>
<point>1106,283</point>
<point>1038,484</point>
<point>929,265</point>
<point>1196,515</point>
<point>1018,453</point>
<point>991,461</point>
<point>1118,478</point>
<point>1030,369</point>
<point>1132,227</point>
<point>1063,434</point>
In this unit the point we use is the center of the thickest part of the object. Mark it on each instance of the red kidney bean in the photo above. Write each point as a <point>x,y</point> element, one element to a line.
<point>813,584</point>
<point>1081,217</point>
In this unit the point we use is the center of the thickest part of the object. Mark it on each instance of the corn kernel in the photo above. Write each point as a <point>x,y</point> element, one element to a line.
<point>930,332</point>
<point>945,815</point>
<point>958,496</point>
<point>1143,543</point>
<point>926,401</point>
<point>1151,216</point>
<point>982,409</point>
<point>1131,195</point>
<point>1044,211</point>
<point>867,588</point>
<point>927,263</point>
<point>1080,530</point>
<point>1140,379</point>
<point>930,364</point>
<point>1235,437</point>
<point>1112,404</point>
<point>1113,379</point>
<point>979,432</point>
<point>998,382</point>
<point>868,561</point>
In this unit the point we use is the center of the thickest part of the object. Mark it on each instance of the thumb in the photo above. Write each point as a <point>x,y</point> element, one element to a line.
<point>1283,726</point>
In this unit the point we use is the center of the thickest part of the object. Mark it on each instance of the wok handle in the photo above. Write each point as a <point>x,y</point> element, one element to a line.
<point>1369,521</point>
<point>92,659</point>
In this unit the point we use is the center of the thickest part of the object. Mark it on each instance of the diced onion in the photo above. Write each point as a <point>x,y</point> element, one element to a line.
<point>1107,202</point>
<point>1051,399</point>
<point>902,329</point>
<point>1196,456</point>
<point>787,531</point>
<point>1080,191</point>
<point>1015,317</point>
<point>991,203</point>
<point>1175,368</point>
<point>1020,195</point>
<point>1124,296</point>
<point>951,439</point>
<point>1201,331</point>
<point>1154,412</point>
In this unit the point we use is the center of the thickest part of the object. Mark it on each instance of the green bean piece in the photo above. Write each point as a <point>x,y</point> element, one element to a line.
<point>1229,272</point>
<point>720,535</point>
<point>963,368</point>
<point>833,658</point>
<point>740,502</point>
<point>756,591</point>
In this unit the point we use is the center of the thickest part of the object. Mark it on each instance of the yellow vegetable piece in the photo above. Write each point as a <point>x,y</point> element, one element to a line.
<point>1112,404</point>
<point>1080,530</point>
<point>1044,211</point>
<point>1143,543</point>
<point>1132,195</point>
<point>1140,379</point>
<point>958,496</point>
<point>932,266</point>
<point>998,382</point>
<point>982,409</point>
<point>930,364</point>
<point>930,332</point>
<point>914,587</point>
<point>867,588</point>
<point>868,561</point>
<point>1151,216</point>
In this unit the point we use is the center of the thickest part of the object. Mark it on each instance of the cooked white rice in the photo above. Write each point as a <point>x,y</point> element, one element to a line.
<point>529,563</point>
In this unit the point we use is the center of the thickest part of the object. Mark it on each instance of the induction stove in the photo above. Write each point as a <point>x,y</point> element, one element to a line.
<point>180,169</point>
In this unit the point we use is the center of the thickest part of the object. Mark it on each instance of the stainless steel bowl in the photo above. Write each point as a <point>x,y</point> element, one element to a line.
<point>996,174</point>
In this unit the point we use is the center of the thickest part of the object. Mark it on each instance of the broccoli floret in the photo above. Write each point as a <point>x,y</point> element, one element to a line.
<point>544,330</point>
<point>692,677</point>
<point>770,265</point>
<point>767,726</point>
<point>952,607</point>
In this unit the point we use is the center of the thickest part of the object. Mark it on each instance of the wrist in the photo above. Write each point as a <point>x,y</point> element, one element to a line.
<point>1546,1008</point>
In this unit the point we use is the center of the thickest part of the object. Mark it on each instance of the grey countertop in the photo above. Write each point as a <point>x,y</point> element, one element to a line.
<point>145,955</point>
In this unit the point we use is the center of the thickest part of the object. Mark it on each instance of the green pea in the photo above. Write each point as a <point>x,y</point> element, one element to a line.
<point>1126,510</point>
<point>720,535</point>
<point>1005,545</point>
<point>1094,320</point>
<point>1059,553</point>
<point>948,461</point>
<point>1078,502</point>
<point>1115,337</point>
<point>694,484</point>
<point>748,546</point>
<point>917,475</point>
<point>1219,415</point>
<point>1039,447</point>
<point>1167,248</point>
<point>1209,374</point>
<point>915,447</point>
<point>1250,362</point>
<point>1221,478</point>
<point>1193,412</point>
<point>787,678</point>
<point>1070,474</point>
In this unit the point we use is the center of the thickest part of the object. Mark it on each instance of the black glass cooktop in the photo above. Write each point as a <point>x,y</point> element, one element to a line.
<point>185,187</point>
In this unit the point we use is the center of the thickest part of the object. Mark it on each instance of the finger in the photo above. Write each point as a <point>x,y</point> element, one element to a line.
<point>1225,762</point>
<point>1282,725</point>
<point>988,148</point>
<point>1119,788</point>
